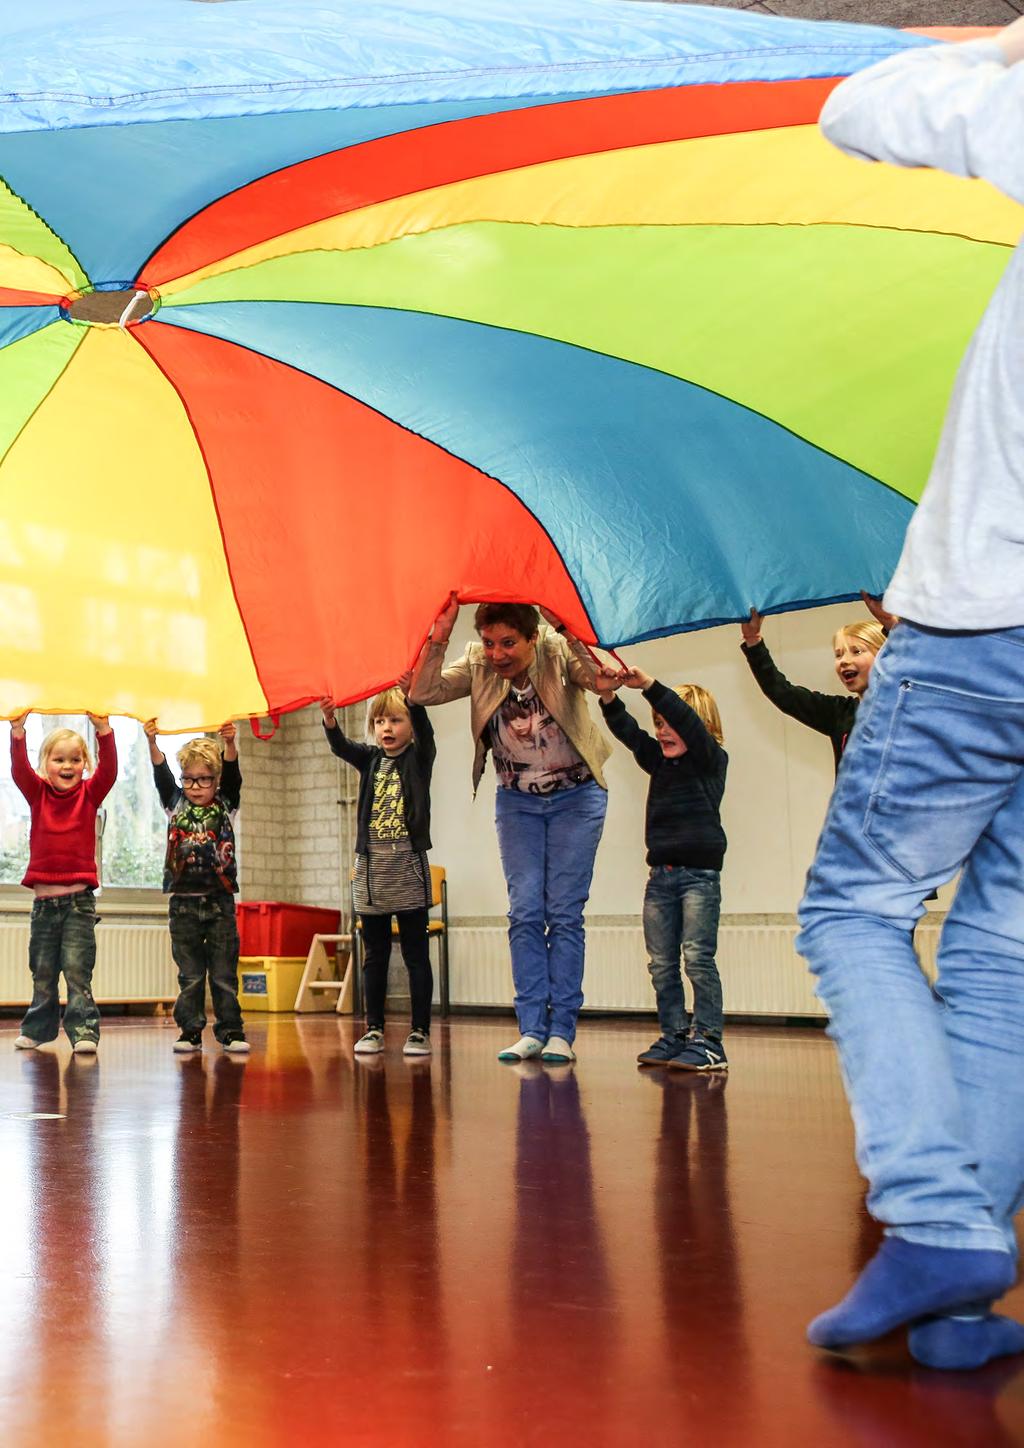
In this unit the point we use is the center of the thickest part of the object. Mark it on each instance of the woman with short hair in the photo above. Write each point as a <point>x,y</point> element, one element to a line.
<point>528,682</point>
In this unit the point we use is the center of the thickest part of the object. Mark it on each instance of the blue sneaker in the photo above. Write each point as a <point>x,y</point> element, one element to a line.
<point>663,1050</point>
<point>701,1053</point>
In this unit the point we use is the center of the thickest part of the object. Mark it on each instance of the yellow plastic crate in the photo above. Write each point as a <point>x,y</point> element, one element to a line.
<point>269,982</point>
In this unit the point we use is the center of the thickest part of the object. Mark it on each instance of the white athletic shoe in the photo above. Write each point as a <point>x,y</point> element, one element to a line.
<point>85,1047</point>
<point>523,1049</point>
<point>558,1052</point>
<point>417,1044</point>
<point>25,1043</point>
<point>371,1044</point>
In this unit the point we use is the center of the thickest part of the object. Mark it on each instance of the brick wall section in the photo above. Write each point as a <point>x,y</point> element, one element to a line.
<point>312,813</point>
<point>259,828</point>
<point>295,827</point>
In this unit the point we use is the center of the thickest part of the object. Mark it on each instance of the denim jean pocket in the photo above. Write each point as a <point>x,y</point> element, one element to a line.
<point>947,766</point>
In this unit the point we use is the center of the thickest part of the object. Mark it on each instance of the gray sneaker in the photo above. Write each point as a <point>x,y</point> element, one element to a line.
<point>371,1044</point>
<point>418,1044</point>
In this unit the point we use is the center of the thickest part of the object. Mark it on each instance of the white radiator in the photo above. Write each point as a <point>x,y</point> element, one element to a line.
<point>133,963</point>
<point>761,972</point>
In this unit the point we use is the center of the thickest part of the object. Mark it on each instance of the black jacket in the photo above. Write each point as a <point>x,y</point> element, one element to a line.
<point>682,825</point>
<point>831,714</point>
<point>415,766</point>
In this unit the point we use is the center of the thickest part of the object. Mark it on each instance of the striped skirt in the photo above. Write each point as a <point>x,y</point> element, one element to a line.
<point>392,877</point>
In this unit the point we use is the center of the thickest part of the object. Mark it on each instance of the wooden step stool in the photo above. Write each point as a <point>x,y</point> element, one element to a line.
<point>324,974</point>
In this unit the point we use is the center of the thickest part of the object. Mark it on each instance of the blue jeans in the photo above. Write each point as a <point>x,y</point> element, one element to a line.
<point>548,844</point>
<point>62,938</point>
<point>933,782</point>
<point>681,910</point>
<point>204,942</point>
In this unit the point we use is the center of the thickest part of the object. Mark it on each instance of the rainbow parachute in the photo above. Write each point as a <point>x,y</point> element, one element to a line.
<point>310,314</point>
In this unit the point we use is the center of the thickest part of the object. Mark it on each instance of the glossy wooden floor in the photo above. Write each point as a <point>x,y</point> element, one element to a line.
<point>306,1249</point>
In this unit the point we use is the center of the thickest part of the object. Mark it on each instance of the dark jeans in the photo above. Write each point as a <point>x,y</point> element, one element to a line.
<point>412,936</point>
<point>204,942</point>
<point>681,909</point>
<point>62,938</point>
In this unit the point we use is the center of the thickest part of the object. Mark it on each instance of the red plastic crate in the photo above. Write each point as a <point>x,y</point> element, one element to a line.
<point>271,927</point>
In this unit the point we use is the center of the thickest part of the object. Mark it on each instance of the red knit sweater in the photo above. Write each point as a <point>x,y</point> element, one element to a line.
<point>62,836</point>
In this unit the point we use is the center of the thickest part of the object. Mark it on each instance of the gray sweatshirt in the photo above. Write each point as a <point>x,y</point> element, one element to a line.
<point>959,108</point>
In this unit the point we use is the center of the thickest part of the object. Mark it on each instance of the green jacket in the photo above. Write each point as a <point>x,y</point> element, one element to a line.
<point>831,714</point>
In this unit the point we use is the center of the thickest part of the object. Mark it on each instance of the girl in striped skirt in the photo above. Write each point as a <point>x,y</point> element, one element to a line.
<point>392,877</point>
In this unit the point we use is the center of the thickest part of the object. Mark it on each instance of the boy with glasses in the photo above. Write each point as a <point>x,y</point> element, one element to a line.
<point>201,877</point>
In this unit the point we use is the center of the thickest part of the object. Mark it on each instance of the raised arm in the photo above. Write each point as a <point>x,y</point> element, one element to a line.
<point>432,683</point>
<point>167,786</point>
<point>423,732</point>
<point>102,781</point>
<point>579,665</point>
<point>22,773</point>
<point>360,756</point>
<point>955,108</point>
<point>821,712</point>
<point>231,771</point>
<point>645,750</point>
<point>702,747</point>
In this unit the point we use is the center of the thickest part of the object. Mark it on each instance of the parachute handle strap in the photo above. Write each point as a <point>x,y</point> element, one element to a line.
<point>275,720</point>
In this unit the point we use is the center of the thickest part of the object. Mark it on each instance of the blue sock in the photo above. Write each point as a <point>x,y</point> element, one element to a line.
<point>905,1281</point>
<point>963,1342</point>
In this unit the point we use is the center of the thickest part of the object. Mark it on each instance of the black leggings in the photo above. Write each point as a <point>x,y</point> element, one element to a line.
<point>412,936</point>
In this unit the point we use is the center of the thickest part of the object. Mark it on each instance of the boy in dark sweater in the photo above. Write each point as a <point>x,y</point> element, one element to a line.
<point>201,877</point>
<point>685,849</point>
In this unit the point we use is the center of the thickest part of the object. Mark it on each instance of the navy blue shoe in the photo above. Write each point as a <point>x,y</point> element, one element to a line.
<point>663,1050</point>
<point>701,1053</point>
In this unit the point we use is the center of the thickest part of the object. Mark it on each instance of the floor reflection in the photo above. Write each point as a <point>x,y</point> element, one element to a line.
<point>65,1235</point>
<point>561,1299</point>
<point>309,1249</point>
<point>402,1309</point>
<point>698,1266</point>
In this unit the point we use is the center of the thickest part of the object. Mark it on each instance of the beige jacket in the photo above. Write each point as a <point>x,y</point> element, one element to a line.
<point>561,673</point>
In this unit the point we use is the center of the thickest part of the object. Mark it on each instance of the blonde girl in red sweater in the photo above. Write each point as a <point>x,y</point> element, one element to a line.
<point>62,876</point>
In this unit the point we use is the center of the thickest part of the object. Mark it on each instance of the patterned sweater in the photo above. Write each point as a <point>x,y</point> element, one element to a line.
<point>200,856</point>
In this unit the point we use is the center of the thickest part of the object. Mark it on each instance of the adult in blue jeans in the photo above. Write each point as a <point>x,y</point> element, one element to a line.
<point>932,784</point>
<point>527,682</point>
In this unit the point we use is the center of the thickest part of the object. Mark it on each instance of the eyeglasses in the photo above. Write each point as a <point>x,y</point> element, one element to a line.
<point>200,781</point>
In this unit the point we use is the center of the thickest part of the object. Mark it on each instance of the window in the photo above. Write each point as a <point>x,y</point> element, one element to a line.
<point>134,823</point>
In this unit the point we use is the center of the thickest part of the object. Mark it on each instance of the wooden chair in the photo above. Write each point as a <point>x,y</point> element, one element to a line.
<point>437,929</point>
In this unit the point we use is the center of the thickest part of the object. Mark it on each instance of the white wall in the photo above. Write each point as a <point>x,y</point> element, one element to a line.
<point>780,776</point>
